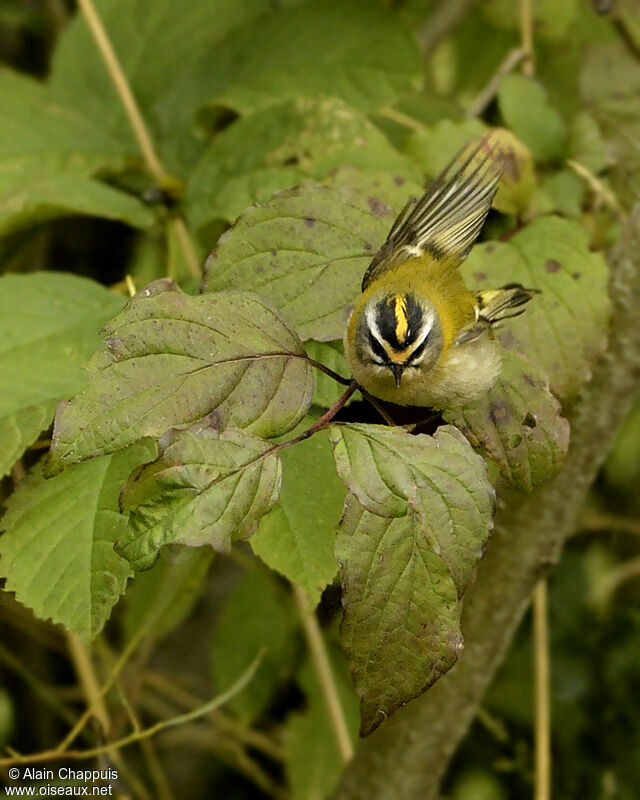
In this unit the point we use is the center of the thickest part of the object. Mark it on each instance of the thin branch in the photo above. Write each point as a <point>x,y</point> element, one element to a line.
<point>481,101</point>
<point>147,733</point>
<point>526,37</point>
<point>441,22</point>
<point>324,673</point>
<point>116,73</point>
<point>138,125</point>
<point>542,778</point>
<point>378,407</point>
<point>616,577</point>
<point>85,671</point>
<point>220,721</point>
<point>328,371</point>
<point>598,188</point>
<point>401,118</point>
<point>596,521</point>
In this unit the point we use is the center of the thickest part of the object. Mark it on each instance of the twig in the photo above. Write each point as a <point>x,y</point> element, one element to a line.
<point>598,188</point>
<point>324,673</point>
<point>441,22</point>
<point>248,737</point>
<point>595,521</point>
<point>147,733</point>
<point>88,681</point>
<point>327,371</point>
<point>542,779</point>
<point>616,577</point>
<point>526,36</point>
<point>401,118</point>
<point>138,125</point>
<point>378,407</point>
<point>483,98</point>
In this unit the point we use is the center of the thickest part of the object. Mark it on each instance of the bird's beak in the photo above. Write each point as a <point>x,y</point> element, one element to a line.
<point>397,370</point>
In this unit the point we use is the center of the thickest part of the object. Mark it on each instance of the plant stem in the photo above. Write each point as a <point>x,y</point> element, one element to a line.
<point>324,673</point>
<point>482,100</point>
<point>598,188</point>
<point>88,680</point>
<point>542,780</point>
<point>136,120</point>
<point>526,36</point>
<point>116,73</point>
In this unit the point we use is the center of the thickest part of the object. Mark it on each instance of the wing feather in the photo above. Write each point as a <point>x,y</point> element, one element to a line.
<point>446,221</point>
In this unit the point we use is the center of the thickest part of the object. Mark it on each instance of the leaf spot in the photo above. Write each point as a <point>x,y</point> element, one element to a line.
<point>500,413</point>
<point>552,266</point>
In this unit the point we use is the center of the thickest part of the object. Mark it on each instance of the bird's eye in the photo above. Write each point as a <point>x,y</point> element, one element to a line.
<point>419,349</point>
<point>377,348</point>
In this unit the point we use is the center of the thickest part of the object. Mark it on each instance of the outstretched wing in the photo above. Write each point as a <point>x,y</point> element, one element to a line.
<point>446,221</point>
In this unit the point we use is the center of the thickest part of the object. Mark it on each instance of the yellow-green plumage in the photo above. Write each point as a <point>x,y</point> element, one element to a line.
<point>417,335</point>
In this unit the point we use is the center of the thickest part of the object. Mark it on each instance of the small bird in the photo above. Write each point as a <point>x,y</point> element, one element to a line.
<point>418,336</point>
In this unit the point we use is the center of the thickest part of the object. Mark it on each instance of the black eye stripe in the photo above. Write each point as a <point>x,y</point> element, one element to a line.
<point>377,348</point>
<point>419,349</point>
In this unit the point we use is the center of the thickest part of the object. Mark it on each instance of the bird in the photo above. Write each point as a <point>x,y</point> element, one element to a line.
<point>417,335</point>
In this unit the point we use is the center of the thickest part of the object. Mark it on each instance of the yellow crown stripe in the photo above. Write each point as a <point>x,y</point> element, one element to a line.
<point>402,323</point>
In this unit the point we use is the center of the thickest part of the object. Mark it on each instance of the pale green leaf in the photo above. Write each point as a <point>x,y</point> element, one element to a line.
<point>313,761</point>
<point>518,424</point>
<point>161,598</point>
<point>19,430</point>
<point>564,328</point>
<point>48,328</point>
<point>562,193</point>
<point>205,488</point>
<point>526,110</point>
<point>297,537</point>
<point>173,359</point>
<point>414,526</point>
<point>257,614</point>
<point>358,51</point>
<point>307,250</point>
<point>57,549</point>
<point>48,153</point>
<point>280,146</point>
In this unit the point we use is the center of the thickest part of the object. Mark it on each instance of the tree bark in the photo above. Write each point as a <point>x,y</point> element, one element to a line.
<point>407,756</point>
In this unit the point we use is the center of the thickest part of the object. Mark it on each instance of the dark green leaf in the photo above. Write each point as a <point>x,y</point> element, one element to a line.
<point>173,359</point>
<point>257,614</point>
<point>297,537</point>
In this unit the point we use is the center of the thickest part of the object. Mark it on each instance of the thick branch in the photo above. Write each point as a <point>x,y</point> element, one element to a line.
<point>408,755</point>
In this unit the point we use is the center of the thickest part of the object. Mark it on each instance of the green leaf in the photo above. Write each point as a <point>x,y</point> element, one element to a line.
<point>435,145</point>
<point>586,144</point>
<point>48,153</point>
<point>205,488</point>
<point>518,424</point>
<point>307,251</point>
<point>412,531</point>
<point>173,359</point>
<point>19,430</point>
<point>57,550</point>
<point>331,354</point>
<point>525,109</point>
<point>280,146</point>
<point>48,328</point>
<point>438,478</point>
<point>161,598</point>
<point>146,35</point>
<point>563,192</point>
<point>297,537</point>
<point>564,328</point>
<point>257,614</point>
<point>313,762</point>
<point>373,57</point>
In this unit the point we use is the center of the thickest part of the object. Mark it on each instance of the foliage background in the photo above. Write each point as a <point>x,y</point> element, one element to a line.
<point>251,106</point>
